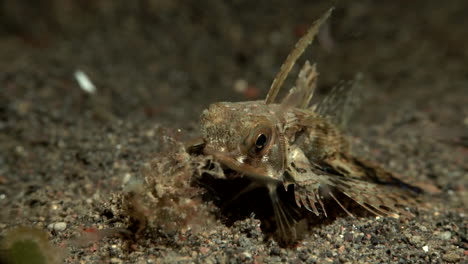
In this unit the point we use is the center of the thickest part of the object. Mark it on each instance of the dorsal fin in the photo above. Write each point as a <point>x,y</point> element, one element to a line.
<point>300,95</point>
<point>301,45</point>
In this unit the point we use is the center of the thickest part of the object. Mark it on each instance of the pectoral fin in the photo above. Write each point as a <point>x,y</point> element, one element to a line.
<point>313,184</point>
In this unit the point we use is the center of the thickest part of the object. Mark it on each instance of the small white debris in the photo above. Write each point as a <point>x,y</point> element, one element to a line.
<point>247,255</point>
<point>126,178</point>
<point>84,82</point>
<point>2,196</point>
<point>394,215</point>
<point>59,226</point>
<point>425,248</point>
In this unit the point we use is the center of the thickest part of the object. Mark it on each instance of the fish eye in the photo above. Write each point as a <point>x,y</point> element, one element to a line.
<point>261,141</point>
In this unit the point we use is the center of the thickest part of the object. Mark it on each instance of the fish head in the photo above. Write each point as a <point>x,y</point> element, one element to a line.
<point>247,137</point>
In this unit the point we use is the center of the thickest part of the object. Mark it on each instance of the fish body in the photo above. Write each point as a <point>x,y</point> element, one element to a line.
<point>293,143</point>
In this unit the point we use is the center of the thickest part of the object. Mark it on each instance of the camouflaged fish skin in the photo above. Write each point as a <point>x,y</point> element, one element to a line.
<point>293,143</point>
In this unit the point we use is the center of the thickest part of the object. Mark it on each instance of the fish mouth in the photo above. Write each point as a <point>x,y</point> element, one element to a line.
<point>230,161</point>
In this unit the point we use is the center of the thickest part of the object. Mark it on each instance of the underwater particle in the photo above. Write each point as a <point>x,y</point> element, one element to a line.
<point>425,248</point>
<point>84,82</point>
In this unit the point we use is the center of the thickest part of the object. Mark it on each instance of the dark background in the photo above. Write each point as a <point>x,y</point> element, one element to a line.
<point>157,64</point>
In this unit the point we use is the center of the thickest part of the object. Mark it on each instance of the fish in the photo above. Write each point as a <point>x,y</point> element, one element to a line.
<point>301,147</point>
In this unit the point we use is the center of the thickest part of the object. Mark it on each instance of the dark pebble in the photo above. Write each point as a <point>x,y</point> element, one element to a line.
<point>275,251</point>
<point>303,256</point>
<point>375,240</point>
<point>348,237</point>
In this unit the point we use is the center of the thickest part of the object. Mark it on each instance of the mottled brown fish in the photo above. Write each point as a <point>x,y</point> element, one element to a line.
<point>292,143</point>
